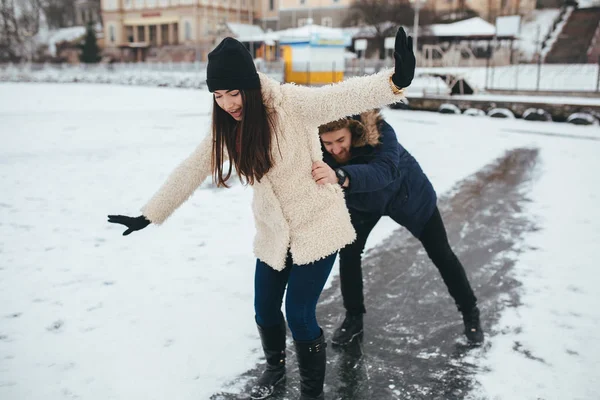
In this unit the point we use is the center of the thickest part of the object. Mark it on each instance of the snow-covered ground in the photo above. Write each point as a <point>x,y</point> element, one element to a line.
<point>180,75</point>
<point>86,313</point>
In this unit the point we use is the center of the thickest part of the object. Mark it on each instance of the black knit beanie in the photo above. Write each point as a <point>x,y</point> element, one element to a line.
<point>230,67</point>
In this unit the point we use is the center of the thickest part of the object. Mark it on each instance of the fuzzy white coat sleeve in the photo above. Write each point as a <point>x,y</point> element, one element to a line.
<point>181,184</point>
<point>329,103</point>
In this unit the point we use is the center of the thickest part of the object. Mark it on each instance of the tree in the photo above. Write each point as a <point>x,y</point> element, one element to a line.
<point>91,51</point>
<point>19,23</point>
<point>384,16</point>
<point>59,13</point>
<point>9,31</point>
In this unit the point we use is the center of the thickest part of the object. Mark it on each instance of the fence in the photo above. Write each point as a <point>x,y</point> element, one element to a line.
<point>544,77</point>
<point>523,77</point>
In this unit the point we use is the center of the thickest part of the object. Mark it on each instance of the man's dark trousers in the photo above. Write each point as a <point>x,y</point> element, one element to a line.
<point>434,240</point>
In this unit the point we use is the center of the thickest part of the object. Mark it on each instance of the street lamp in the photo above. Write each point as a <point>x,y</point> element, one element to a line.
<point>417,4</point>
<point>30,43</point>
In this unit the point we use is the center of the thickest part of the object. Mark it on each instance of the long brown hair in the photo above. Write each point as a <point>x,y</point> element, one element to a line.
<point>250,153</point>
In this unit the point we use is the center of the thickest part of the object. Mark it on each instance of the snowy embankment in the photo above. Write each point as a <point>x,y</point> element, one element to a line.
<point>104,74</point>
<point>178,75</point>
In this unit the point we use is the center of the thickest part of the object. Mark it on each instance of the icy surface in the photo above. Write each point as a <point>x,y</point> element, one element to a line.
<point>167,312</point>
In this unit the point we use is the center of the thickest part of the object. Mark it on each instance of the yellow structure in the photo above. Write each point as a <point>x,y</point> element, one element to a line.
<point>313,55</point>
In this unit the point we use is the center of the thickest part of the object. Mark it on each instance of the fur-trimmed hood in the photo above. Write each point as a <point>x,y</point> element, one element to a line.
<point>364,128</point>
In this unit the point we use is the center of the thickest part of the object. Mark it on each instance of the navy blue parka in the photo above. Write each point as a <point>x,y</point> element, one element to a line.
<point>385,179</point>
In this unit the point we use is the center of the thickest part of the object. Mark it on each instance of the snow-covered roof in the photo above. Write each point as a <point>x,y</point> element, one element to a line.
<point>307,31</point>
<point>303,33</point>
<point>51,38</point>
<point>244,30</point>
<point>469,27</point>
<point>369,31</point>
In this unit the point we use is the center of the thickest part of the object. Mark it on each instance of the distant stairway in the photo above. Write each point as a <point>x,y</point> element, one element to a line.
<point>576,39</point>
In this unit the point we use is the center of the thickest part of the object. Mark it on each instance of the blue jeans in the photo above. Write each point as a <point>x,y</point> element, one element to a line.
<point>304,286</point>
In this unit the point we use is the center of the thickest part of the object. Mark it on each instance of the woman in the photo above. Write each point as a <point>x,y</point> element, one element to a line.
<point>269,134</point>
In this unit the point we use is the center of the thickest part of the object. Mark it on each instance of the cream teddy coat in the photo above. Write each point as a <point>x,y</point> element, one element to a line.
<point>291,211</point>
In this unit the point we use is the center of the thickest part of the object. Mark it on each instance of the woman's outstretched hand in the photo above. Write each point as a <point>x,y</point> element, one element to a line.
<point>404,70</point>
<point>132,223</point>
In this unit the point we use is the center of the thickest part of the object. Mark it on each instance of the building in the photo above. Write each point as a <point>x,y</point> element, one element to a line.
<point>486,9</point>
<point>176,30</point>
<point>296,13</point>
<point>87,11</point>
<point>186,30</point>
<point>332,13</point>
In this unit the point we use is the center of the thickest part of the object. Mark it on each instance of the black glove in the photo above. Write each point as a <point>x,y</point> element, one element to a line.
<point>404,70</point>
<point>134,224</point>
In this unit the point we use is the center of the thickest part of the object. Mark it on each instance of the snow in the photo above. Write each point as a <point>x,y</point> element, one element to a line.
<point>590,119</point>
<point>475,26</point>
<point>243,30</point>
<point>448,108</point>
<point>427,85</point>
<point>528,36</point>
<point>302,33</point>
<point>167,312</point>
<point>474,112</point>
<point>557,32</point>
<point>52,38</point>
<point>181,75</point>
<point>500,113</point>
<point>588,3</point>
<point>537,114</point>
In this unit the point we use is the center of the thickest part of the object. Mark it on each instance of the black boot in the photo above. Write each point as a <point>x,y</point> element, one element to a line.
<point>273,343</point>
<point>311,362</point>
<point>473,330</point>
<point>350,328</point>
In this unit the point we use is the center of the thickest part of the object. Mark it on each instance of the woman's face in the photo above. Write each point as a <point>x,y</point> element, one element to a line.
<point>231,102</point>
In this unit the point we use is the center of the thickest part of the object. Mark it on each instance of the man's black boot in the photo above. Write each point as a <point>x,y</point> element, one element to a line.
<point>473,330</point>
<point>273,343</point>
<point>312,361</point>
<point>350,328</point>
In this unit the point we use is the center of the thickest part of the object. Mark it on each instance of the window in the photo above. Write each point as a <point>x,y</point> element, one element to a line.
<point>152,34</point>
<point>271,5</point>
<point>164,34</point>
<point>327,21</point>
<point>111,33</point>
<point>188,30</point>
<point>141,33</point>
<point>129,33</point>
<point>302,2</point>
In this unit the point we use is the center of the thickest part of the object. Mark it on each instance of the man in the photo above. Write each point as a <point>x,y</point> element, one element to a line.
<point>380,177</point>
